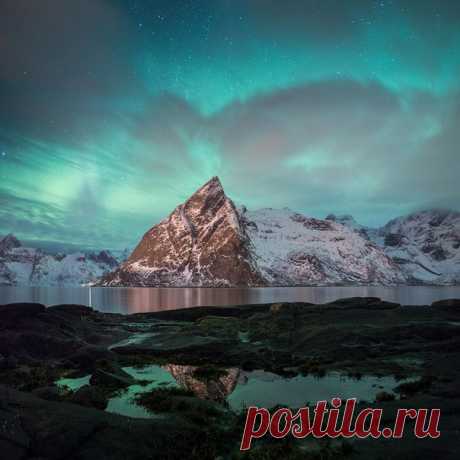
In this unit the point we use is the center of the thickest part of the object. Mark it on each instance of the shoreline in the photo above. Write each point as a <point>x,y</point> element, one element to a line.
<point>130,300</point>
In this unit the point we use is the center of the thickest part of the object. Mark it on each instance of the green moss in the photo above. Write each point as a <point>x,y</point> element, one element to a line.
<point>219,326</point>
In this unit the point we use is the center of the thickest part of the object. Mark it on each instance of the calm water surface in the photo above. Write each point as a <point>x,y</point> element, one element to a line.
<point>133,300</point>
<point>240,389</point>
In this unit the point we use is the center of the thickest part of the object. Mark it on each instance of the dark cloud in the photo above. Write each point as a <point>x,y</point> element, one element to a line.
<point>62,62</point>
<point>429,178</point>
<point>62,43</point>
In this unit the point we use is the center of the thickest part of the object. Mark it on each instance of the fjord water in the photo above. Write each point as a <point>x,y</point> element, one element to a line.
<point>136,300</point>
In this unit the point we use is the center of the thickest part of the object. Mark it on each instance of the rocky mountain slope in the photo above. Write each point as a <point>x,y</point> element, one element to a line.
<point>425,244</point>
<point>33,267</point>
<point>201,243</point>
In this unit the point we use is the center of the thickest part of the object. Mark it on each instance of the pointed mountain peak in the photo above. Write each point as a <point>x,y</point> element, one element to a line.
<point>9,242</point>
<point>208,197</point>
<point>214,180</point>
<point>214,185</point>
<point>201,243</point>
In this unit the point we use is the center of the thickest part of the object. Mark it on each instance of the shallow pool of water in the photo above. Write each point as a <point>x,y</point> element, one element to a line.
<point>241,389</point>
<point>135,339</point>
<point>73,384</point>
<point>152,377</point>
<point>265,389</point>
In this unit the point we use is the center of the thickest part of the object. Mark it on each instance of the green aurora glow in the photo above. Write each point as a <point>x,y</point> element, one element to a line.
<point>115,111</point>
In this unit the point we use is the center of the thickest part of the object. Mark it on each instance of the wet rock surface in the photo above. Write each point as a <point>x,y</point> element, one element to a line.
<point>205,349</point>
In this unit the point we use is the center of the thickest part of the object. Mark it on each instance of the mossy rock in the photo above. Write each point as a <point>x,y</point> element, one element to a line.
<point>221,326</point>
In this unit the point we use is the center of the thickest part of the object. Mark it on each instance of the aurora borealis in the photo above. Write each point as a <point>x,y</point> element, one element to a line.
<point>113,111</point>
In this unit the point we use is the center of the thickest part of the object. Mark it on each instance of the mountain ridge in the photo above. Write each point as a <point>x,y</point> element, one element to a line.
<point>207,241</point>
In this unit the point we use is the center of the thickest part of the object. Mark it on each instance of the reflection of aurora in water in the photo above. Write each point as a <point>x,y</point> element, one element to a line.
<point>264,389</point>
<point>170,375</point>
<point>239,388</point>
<point>124,402</point>
<point>73,384</point>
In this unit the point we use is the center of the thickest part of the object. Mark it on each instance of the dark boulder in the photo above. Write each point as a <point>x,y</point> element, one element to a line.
<point>50,393</point>
<point>112,378</point>
<point>90,396</point>
<point>11,313</point>
<point>371,303</point>
<point>72,310</point>
<point>449,305</point>
<point>87,357</point>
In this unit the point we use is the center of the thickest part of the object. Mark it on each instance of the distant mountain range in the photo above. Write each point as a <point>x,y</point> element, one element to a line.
<point>425,244</point>
<point>208,241</point>
<point>25,266</point>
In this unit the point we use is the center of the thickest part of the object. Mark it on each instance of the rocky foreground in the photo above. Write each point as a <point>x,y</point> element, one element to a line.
<point>205,350</point>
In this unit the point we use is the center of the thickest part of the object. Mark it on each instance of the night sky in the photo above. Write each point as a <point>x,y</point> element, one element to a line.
<point>113,111</point>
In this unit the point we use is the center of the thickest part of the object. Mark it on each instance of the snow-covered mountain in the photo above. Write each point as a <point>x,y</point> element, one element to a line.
<point>33,267</point>
<point>425,244</point>
<point>207,242</point>
<point>292,249</point>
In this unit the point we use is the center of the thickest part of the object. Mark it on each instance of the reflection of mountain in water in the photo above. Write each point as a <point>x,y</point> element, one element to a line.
<point>213,389</point>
